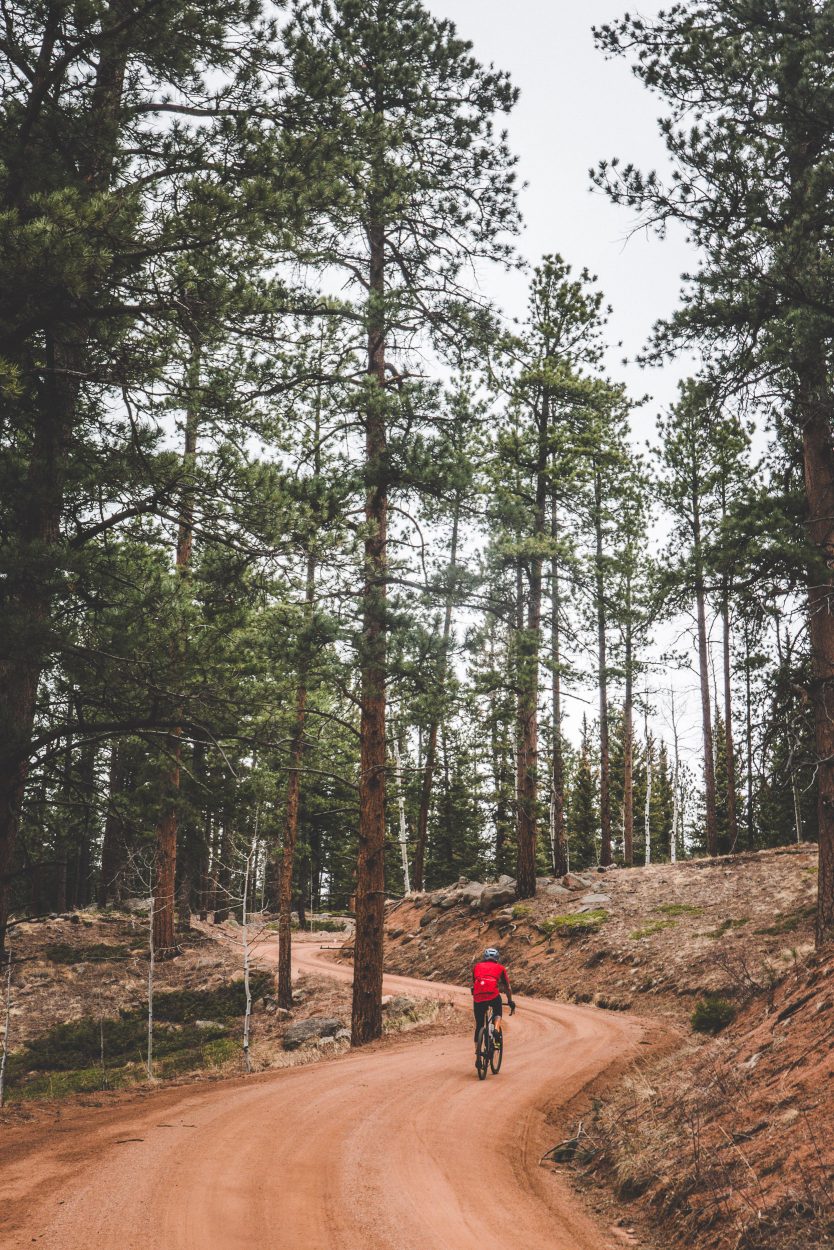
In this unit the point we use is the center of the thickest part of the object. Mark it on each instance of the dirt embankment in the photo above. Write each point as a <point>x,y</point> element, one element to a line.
<point>728,1141</point>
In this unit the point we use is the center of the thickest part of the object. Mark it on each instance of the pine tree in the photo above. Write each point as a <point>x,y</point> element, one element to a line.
<point>425,188</point>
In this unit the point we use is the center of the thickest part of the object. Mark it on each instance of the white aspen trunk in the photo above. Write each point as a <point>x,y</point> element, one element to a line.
<point>797,808</point>
<point>244,929</point>
<point>648,822</point>
<point>673,848</point>
<point>403,825</point>
<point>8,1017</point>
<point>150,990</point>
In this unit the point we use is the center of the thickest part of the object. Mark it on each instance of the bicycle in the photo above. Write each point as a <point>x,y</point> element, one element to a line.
<point>490,1052</point>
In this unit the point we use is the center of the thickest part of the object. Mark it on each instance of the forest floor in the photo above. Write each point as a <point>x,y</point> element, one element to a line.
<point>723,1142</point>
<point>78,1018</point>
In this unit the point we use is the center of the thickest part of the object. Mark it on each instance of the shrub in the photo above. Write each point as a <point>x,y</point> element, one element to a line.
<point>712,1014</point>
<point>521,911</point>
<point>99,953</point>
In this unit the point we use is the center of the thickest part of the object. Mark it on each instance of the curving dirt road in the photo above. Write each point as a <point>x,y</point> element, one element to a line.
<point>401,1148</point>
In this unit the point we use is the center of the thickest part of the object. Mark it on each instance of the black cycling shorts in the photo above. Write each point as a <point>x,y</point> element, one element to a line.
<point>497,1006</point>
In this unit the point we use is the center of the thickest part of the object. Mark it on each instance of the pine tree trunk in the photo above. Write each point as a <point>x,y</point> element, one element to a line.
<point>557,813</point>
<point>291,812</point>
<point>366,1021</point>
<point>748,745</point>
<point>529,677</point>
<point>419,866</point>
<point>816,409</point>
<point>166,830</point>
<point>604,749</point>
<point>648,808</point>
<point>628,743</point>
<point>703,666</point>
<point>729,744</point>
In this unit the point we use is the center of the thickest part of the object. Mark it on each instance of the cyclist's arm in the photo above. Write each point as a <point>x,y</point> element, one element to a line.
<point>507,987</point>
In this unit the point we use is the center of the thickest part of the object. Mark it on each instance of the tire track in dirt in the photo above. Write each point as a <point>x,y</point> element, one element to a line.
<point>400,1148</point>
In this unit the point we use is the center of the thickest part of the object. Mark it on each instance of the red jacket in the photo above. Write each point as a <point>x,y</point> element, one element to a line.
<point>486,981</point>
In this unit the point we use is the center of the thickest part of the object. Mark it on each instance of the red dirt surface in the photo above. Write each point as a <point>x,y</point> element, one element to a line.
<point>389,1149</point>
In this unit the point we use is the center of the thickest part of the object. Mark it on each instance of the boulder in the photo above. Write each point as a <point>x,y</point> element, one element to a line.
<point>504,879</point>
<point>449,900</point>
<point>207,1024</point>
<point>497,895</point>
<point>594,900</point>
<point>574,881</point>
<point>343,1035</point>
<point>554,890</point>
<point>426,918</point>
<point>272,1009</point>
<point>542,882</point>
<point>436,900</point>
<point>311,1030</point>
<point>472,892</point>
<point>399,1005</point>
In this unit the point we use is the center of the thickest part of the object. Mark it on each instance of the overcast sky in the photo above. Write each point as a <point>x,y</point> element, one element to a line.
<point>576,108</point>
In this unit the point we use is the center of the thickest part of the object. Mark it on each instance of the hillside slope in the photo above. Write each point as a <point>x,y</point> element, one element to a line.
<point>726,1143</point>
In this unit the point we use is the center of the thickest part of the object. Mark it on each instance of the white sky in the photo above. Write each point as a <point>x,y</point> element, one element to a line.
<point>575,109</point>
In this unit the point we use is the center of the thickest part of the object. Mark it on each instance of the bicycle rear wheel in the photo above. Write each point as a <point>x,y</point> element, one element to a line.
<point>497,1052</point>
<point>482,1054</point>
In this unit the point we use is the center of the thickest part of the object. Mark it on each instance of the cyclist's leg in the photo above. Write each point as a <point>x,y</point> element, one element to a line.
<point>497,1011</point>
<point>480,1016</point>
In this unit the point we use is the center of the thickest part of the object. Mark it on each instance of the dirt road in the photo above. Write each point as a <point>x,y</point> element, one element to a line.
<point>399,1149</point>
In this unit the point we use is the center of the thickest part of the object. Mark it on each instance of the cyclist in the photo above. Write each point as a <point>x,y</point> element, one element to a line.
<point>488,976</point>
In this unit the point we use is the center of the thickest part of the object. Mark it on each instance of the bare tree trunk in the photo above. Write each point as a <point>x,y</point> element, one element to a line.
<point>604,749</point>
<point>816,406</point>
<point>703,665</point>
<point>648,810</point>
<point>431,745</point>
<point>366,1020</point>
<point>403,825</point>
<point>6,1026</point>
<point>291,808</point>
<point>151,967</point>
<point>628,741</point>
<point>529,676</point>
<point>244,933</point>
<point>673,849</point>
<point>558,835</point>
<point>748,743</point>
<point>166,830</point>
<point>729,744</point>
<point>222,875</point>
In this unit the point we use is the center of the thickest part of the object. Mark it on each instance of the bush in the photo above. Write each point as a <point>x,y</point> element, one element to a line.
<point>712,1014</point>
<point>99,953</point>
<point>521,911</point>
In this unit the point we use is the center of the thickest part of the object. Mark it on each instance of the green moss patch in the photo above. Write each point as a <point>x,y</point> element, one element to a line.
<point>654,926</point>
<point>521,911</point>
<point>574,924</point>
<point>679,909</point>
